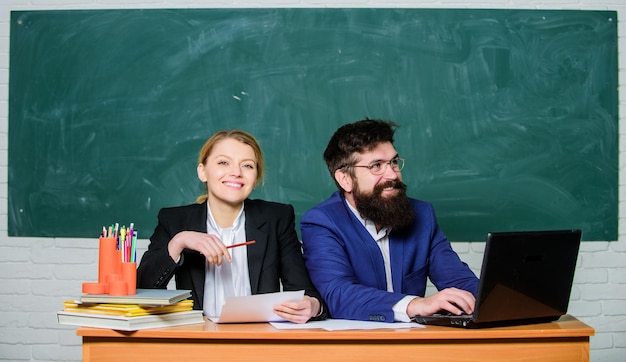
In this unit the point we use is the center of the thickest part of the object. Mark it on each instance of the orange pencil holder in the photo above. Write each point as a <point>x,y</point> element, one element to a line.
<point>129,275</point>
<point>114,276</point>
<point>109,260</point>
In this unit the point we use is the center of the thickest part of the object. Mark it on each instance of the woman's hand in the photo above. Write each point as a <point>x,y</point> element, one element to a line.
<point>298,312</point>
<point>206,244</point>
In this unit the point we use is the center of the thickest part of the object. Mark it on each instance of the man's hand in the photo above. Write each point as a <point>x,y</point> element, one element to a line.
<point>455,301</point>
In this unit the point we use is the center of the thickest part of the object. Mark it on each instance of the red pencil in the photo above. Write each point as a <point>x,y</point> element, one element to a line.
<point>241,244</point>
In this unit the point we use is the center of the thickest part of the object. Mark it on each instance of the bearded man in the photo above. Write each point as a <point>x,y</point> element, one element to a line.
<point>370,248</point>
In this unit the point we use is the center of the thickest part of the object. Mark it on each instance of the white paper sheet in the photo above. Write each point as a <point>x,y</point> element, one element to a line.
<point>255,308</point>
<point>344,324</point>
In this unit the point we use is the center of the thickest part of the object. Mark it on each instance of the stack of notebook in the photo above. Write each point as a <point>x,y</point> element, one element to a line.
<point>149,308</point>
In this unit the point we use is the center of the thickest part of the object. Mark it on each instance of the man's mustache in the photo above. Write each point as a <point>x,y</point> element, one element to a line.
<point>398,185</point>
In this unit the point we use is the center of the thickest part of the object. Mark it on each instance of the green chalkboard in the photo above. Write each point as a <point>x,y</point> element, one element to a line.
<point>508,117</point>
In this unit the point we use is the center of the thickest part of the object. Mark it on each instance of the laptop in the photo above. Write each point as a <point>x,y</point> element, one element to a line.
<point>526,277</point>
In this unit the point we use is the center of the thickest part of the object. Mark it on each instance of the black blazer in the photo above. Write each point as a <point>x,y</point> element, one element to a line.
<point>275,257</point>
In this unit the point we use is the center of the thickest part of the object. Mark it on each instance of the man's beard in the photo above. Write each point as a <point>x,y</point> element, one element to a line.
<point>385,212</point>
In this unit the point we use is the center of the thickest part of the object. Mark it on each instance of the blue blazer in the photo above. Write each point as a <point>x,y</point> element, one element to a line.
<point>275,258</point>
<point>347,268</point>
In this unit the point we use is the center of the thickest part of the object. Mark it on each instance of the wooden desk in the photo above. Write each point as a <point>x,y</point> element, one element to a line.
<point>564,340</point>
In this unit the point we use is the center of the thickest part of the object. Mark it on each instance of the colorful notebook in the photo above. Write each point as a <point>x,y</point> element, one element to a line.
<point>143,296</point>
<point>129,323</point>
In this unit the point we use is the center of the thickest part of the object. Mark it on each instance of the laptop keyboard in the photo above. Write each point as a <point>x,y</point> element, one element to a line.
<point>446,313</point>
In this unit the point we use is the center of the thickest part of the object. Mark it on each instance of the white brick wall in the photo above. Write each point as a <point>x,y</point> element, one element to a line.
<point>37,274</point>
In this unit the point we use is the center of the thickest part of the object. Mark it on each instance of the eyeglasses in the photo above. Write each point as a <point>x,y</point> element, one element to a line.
<point>379,168</point>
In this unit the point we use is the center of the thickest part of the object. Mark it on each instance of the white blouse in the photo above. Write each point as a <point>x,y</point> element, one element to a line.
<point>229,279</point>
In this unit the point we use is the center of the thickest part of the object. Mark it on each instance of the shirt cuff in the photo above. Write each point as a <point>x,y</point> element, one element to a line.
<point>179,261</point>
<point>399,309</point>
<point>321,310</point>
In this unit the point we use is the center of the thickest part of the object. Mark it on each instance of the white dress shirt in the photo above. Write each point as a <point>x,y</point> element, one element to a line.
<point>229,279</point>
<point>382,240</point>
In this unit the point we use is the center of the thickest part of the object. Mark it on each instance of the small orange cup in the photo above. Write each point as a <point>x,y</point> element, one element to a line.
<point>118,287</point>
<point>129,275</point>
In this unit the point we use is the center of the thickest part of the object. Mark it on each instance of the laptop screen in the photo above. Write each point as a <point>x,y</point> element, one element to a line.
<point>527,275</point>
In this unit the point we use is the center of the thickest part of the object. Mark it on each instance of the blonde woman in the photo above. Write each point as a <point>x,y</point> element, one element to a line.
<point>191,242</point>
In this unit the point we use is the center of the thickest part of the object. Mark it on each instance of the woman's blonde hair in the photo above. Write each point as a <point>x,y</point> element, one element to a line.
<point>241,136</point>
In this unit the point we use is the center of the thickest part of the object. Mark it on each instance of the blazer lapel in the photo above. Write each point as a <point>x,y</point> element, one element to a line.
<point>256,255</point>
<point>376,267</point>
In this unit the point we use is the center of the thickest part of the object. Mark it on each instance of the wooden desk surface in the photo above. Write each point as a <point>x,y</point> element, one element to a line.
<point>565,339</point>
<point>567,326</point>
